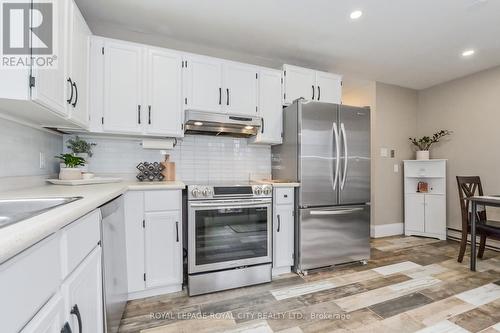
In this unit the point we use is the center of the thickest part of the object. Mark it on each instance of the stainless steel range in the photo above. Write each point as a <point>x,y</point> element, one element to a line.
<point>229,236</point>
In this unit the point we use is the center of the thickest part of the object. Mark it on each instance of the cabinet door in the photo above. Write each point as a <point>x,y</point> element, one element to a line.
<point>163,249</point>
<point>240,88</point>
<point>203,84</point>
<point>50,319</point>
<point>299,82</point>
<point>79,65</point>
<point>435,214</point>
<point>414,212</point>
<point>270,107</point>
<point>164,109</point>
<point>51,89</point>
<point>122,87</point>
<point>134,231</point>
<point>328,87</point>
<point>283,229</point>
<point>83,294</point>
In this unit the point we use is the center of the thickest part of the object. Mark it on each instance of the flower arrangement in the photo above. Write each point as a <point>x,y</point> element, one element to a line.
<point>424,143</point>
<point>79,146</point>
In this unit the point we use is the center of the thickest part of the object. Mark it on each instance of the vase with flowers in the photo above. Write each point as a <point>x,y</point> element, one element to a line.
<point>425,143</point>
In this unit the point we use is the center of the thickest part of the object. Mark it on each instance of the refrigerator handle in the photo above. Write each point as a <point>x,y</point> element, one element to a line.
<point>344,139</point>
<point>337,159</point>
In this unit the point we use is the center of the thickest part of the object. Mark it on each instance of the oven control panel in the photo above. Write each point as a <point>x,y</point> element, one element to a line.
<point>233,191</point>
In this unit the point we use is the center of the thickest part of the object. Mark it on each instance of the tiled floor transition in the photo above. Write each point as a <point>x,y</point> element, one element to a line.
<point>410,285</point>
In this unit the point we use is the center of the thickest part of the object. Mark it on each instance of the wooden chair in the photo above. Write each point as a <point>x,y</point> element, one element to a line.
<point>469,186</point>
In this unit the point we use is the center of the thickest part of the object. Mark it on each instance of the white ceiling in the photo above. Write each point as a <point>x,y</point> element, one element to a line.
<point>411,43</point>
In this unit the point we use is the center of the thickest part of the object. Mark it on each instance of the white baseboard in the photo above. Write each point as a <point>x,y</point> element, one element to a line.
<point>154,292</point>
<point>385,230</point>
<point>457,235</point>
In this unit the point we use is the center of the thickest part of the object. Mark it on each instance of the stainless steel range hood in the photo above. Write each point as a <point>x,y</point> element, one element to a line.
<point>211,123</point>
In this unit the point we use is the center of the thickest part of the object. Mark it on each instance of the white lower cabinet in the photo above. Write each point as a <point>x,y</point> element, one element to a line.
<point>50,319</point>
<point>283,230</point>
<point>154,242</point>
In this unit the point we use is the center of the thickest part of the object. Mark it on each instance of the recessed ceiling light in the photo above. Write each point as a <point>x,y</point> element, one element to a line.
<point>198,123</point>
<point>356,14</point>
<point>468,53</point>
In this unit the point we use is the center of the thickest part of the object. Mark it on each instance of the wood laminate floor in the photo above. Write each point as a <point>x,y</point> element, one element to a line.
<point>410,285</point>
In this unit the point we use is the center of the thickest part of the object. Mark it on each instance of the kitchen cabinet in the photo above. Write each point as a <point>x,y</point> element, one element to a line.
<point>164,114</point>
<point>78,64</point>
<point>310,84</point>
<point>153,222</point>
<point>83,295</point>
<point>122,87</point>
<point>50,319</point>
<point>217,85</point>
<point>283,230</point>
<point>162,235</point>
<point>425,212</point>
<point>270,107</point>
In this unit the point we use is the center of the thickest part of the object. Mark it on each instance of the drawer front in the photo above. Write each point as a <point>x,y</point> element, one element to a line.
<point>79,239</point>
<point>425,169</point>
<point>28,281</point>
<point>162,200</point>
<point>283,196</point>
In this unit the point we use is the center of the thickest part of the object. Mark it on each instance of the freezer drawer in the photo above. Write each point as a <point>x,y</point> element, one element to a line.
<point>333,235</point>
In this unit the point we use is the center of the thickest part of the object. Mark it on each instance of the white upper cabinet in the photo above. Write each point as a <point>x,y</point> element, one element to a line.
<point>202,83</point>
<point>311,85</point>
<point>270,107</point>
<point>78,63</point>
<point>123,66</point>
<point>240,88</point>
<point>328,87</point>
<point>50,88</point>
<point>164,93</point>
<point>299,82</point>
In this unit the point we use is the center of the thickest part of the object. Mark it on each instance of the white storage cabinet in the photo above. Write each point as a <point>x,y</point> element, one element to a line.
<point>312,85</point>
<point>425,213</point>
<point>283,230</point>
<point>153,222</point>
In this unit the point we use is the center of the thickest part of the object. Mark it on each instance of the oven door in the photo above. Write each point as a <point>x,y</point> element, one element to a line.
<point>228,233</point>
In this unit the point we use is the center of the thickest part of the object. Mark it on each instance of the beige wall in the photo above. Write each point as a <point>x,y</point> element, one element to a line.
<point>470,107</point>
<point>394,119</point>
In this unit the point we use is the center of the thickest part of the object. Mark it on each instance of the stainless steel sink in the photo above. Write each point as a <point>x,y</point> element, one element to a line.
<point>15,210</point>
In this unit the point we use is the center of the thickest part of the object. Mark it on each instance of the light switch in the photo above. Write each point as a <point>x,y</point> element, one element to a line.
<point>383,152</point>
<point>396,168</point>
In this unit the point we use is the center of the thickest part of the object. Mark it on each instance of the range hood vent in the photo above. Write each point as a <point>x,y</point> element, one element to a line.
<point>221,124</point>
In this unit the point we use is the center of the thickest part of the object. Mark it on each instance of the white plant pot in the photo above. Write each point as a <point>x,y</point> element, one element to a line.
<point>422,155</point>
<point>70,174</point>
<point>85,156</point>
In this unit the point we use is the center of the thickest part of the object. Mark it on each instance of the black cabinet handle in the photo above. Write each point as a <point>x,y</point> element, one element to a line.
<point>139,114</point>
<point>66,328</point>
<point>262,128</point>
<point>279,223</point>
<point>71,85</point>
<point>177,231</point>
<point>313,91</point>
<point>76,94</point>
<point>319,92</point>
<point>227,92</point>
<point>220,96</point>
<point>149,114</point>
<point>75,311</point>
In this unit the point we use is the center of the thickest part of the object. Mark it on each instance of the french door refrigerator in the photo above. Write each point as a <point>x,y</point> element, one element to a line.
<point>326,148</point>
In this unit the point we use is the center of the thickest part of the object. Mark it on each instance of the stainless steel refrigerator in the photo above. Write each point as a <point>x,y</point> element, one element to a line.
<point>326,147</point>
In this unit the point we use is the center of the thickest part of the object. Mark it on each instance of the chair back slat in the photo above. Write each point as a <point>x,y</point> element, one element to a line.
<point>469,186</point>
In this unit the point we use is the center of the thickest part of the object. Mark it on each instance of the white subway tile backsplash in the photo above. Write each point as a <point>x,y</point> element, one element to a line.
<point>198,158</point>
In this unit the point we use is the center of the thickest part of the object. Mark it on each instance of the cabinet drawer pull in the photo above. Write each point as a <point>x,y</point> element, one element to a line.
<point>313,92</point>
<point>227,93</point>
<point>76,94</point>
<point>262,128</point>
<point>139,114</point>
<point>177,231</point>
<point>220,96</point>
<point>71,86</point>
<point>75,311</point>
<point>66,328</point>
<point>279,223</point>
<point>319,93</point>
<point>149,114</point>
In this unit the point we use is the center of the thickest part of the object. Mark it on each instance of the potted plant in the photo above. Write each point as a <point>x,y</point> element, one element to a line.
<point>81,148</point>
<point>424,143</point>
<point>70,171</point>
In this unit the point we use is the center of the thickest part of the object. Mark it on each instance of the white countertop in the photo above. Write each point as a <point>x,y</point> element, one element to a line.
<point>19,236</point>
<point>277,183</point>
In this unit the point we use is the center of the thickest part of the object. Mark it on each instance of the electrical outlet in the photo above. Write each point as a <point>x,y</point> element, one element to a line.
<point>42,160</point>
<point>396,168</point>
<point>383,152</point>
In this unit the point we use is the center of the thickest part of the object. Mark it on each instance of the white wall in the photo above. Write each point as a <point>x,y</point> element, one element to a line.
<point>20,148</point>
<point>198,158</point>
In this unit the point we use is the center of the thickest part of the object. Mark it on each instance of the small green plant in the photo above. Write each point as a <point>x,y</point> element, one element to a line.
<point>79,146</point>
<point>71,161</point>
<point>425,142</point>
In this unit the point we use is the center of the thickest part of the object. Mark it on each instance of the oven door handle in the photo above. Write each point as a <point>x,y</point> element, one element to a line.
<point>245,203</point>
